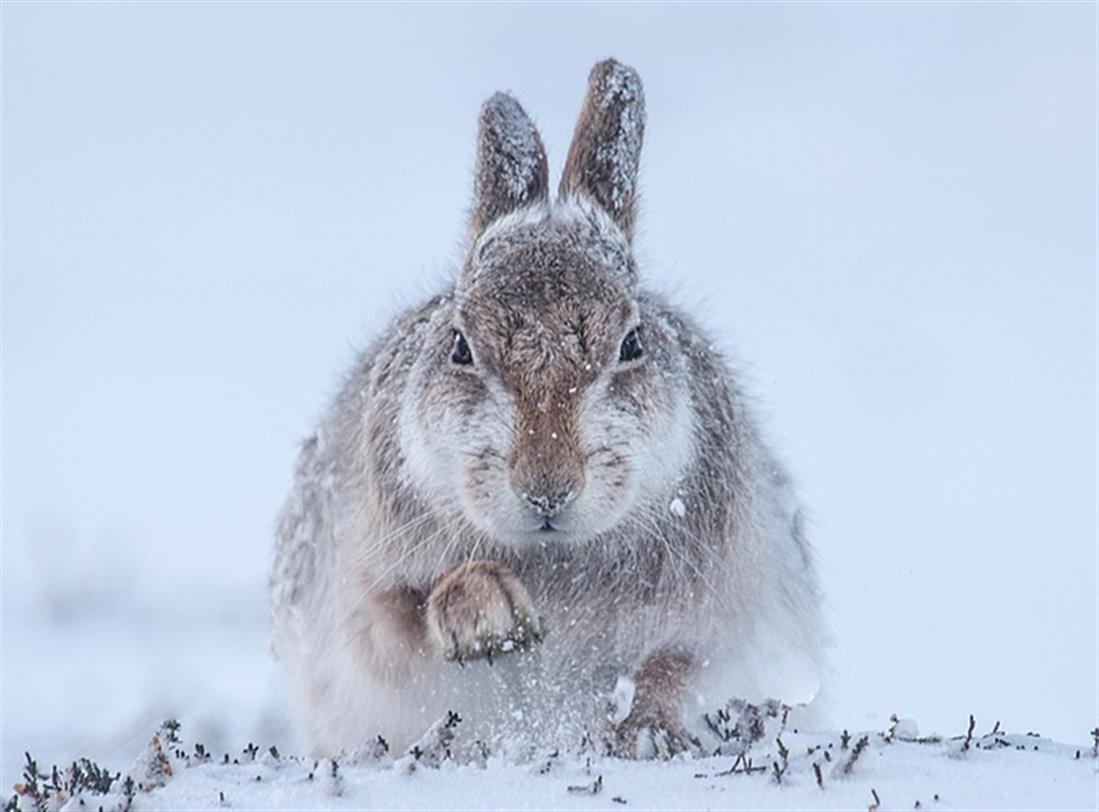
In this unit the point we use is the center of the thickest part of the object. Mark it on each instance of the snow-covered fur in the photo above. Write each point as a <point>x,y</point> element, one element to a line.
<point>540,483</point>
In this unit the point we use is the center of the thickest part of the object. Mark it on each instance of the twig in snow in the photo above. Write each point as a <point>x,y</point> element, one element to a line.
<point>332,780</point>
<point>969,733</point>
<point>740,724</point>
<point>784,754</point>
<point>594,788</point>
<point>845,767</point>
<point>69,787</point>
<point>153,767</point>
<point>892,732</point>
<point>366,754</point>
<point>433,748</point>
<point>742,764</point>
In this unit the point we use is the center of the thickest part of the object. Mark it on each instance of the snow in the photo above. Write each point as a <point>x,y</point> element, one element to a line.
<point>795,770</point>
<point>901,776</point>
<point>905,729</point>
<point>98,685</point>
<point>621,699</point>
<point>678,508</point>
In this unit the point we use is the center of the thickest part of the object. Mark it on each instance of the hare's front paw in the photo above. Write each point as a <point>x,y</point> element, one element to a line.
<point>480,609</point>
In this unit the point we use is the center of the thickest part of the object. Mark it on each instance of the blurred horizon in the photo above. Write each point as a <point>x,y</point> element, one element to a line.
<point>885,213</point>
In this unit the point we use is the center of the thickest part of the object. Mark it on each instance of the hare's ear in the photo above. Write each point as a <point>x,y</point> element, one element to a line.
<point>511,162</point>
<point>606,146</point>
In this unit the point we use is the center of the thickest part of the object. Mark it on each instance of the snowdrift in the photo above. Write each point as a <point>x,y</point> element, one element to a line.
<point>757,764</point>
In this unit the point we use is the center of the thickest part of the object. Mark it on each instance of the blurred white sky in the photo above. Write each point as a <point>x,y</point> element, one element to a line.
<point>887,211</point>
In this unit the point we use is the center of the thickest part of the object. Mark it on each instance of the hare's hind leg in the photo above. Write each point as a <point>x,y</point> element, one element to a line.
<point>654,724</point>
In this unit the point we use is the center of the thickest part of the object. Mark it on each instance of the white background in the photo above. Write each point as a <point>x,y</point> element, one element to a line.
<point>886,212</point>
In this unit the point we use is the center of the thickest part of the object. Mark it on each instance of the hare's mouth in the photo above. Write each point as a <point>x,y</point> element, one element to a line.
<point>547,527</point>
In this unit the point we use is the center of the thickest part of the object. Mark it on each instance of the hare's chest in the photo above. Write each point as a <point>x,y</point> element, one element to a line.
<point>589,622</point>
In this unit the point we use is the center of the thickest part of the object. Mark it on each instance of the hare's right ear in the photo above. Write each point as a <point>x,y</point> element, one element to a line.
<point>511,162</point>
<point>606,147</point>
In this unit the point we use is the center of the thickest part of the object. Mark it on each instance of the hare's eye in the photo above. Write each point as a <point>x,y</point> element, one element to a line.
<point>460,352</point>
<point>631,348</point>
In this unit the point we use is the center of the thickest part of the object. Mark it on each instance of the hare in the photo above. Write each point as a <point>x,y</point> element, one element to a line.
<point>540,499</point>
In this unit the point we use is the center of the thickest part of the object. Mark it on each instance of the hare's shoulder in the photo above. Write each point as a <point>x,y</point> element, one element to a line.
<point>387,361</point>
<point>334,455</point>
<point>300,524</point>
<point>733,448</point>
<point>709,375</point>
<point>729,442</point>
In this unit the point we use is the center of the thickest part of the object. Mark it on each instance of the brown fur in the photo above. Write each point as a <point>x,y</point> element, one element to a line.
<point>544,363</point>
<point>657,708</point>
<point>511,166</point>
<point>603,145</point>
<point>480,608</point>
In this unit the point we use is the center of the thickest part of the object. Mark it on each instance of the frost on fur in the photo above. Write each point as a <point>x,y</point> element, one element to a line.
<point>511,162</point>
<point>605,154</point>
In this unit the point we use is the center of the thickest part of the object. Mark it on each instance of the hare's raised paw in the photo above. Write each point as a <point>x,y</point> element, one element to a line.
<point>480,609</point>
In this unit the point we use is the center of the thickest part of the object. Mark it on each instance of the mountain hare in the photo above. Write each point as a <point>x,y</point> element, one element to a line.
<point>541,492</point>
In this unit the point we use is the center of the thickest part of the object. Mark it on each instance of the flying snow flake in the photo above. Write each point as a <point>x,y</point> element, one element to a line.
<point>621,699</point>
<point>678,508</point>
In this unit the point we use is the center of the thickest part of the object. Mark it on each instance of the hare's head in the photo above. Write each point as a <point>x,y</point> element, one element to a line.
<point>552,397</point>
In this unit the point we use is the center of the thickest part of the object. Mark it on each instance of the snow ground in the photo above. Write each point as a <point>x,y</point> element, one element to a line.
<point>95,687</point>
<point>991,771</point>
<point>85,677</point>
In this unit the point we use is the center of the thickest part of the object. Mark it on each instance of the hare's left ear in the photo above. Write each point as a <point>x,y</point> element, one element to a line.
<point>606,147</point>
<point>511,162</point>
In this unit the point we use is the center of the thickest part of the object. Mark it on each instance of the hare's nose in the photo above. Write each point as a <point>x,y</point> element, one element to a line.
<point>549,504</point>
